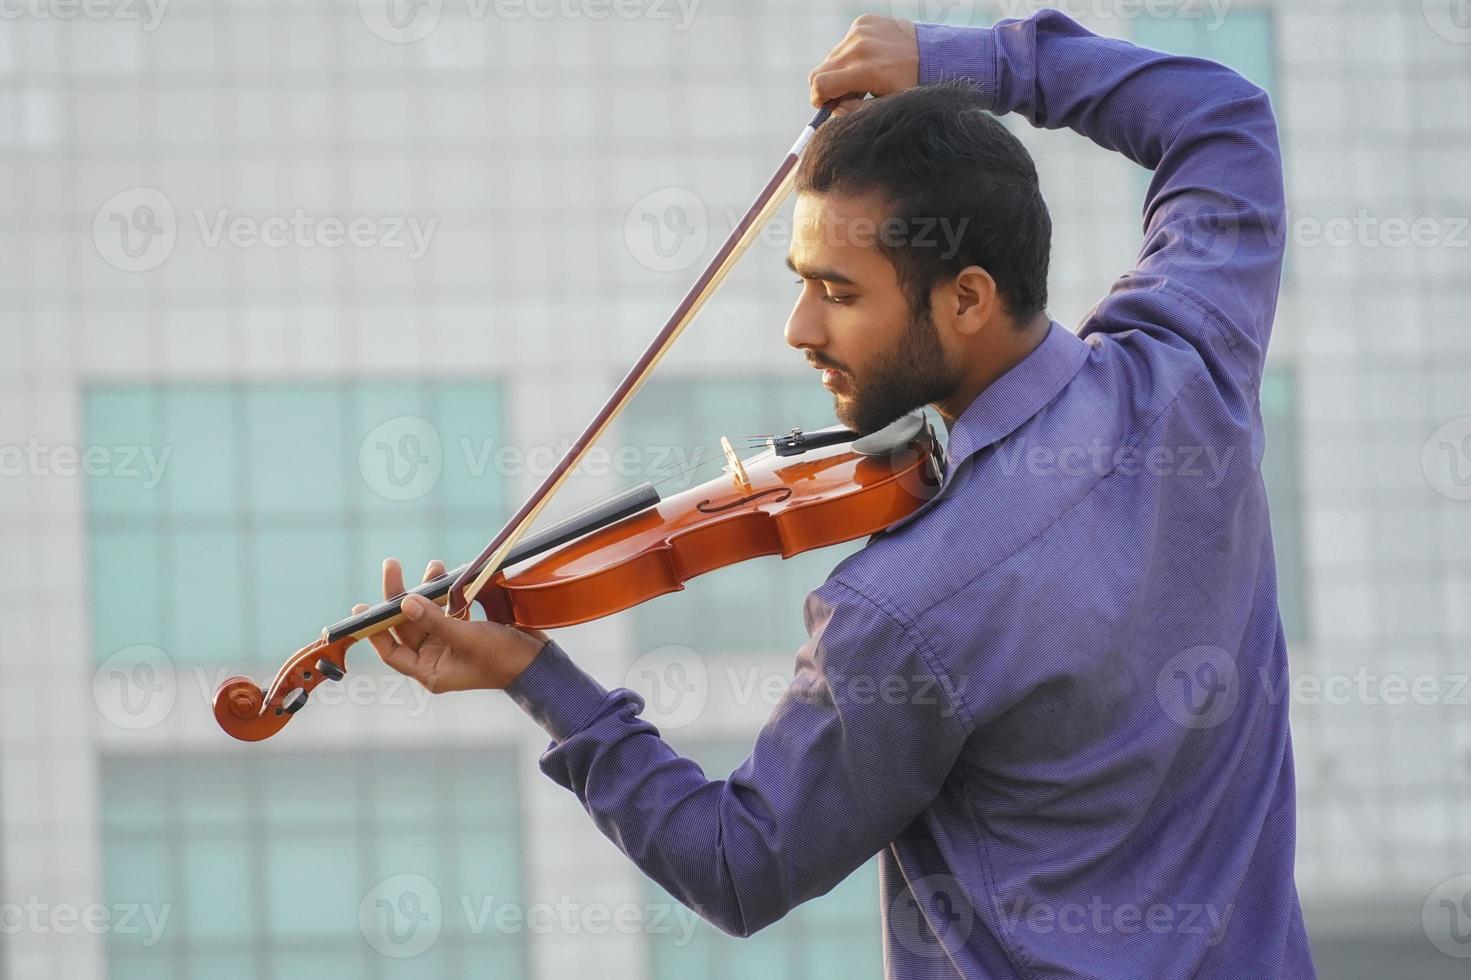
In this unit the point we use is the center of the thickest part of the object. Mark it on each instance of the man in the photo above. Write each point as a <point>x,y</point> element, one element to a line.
<point>1087,776</point>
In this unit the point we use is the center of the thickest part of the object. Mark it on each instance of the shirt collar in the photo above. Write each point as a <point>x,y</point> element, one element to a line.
<point>1017,395</point>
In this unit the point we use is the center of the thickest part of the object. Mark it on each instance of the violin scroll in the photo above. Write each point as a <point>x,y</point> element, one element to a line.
<point>252,713</point>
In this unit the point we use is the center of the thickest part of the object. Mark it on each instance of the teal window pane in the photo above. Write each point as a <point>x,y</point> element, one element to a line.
<point>217,876</point>
<point>276,889</point>
<point>400,852</point>
<point>121,421</point>
<point>296,450</point>
<point>315,959</point>
<point>235,965</point>
<point>218,800</point>
<point>483,863</point>
<point>133,966</point>
<point>429,965</point>
<point>300,585</point>
<point>311,793</point>
<point>1284,491</point>
<point>140,874</point>
<point>391,436</point>
<point>263,486</point>
<point>199,433</point>
<point>205,623</point>
<point>314,885</point>
<point>126,572</point>
<point>471,422</point>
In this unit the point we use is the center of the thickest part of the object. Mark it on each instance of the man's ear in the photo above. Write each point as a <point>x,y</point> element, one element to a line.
<point>974,298</point>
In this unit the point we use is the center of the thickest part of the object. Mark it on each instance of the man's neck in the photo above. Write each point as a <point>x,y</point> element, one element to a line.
<point>993,365</point>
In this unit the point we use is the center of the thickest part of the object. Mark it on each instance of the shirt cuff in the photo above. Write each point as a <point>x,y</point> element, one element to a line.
<point>947,52</point>
<point>560,696</point>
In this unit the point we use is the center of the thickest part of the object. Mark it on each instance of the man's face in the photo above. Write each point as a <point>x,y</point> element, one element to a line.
<point>853,319</point>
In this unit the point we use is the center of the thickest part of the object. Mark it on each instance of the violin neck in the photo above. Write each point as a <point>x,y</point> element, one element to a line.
<point>616,508</point>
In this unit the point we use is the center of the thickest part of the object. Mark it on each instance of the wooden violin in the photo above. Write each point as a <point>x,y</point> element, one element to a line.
<point>808,491</point>
<point>805,491</point>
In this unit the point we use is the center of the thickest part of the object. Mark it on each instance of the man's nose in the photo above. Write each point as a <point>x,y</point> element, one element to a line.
<point>804,327</point>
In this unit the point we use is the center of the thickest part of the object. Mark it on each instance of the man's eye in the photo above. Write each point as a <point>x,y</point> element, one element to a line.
<point>835,300</point>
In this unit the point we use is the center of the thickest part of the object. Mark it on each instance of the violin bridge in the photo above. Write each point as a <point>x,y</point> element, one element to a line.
<point>734,467</point>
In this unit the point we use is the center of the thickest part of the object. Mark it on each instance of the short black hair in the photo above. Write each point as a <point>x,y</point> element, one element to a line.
<point>943,163</point>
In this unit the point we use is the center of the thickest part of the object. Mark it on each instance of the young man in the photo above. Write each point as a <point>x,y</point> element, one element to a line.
<point>1088,776</point>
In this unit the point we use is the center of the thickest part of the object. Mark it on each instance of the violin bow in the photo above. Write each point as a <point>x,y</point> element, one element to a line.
<point>476,573</point>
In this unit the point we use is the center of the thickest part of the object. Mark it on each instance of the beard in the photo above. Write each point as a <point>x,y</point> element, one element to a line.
<point>913,373</point>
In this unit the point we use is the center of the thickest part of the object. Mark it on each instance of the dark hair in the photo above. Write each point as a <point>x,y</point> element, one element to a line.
<point>943,163</point>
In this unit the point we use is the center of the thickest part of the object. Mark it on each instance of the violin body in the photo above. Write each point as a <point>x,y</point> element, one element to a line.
<point>786,506</point>
<point>772,504</point>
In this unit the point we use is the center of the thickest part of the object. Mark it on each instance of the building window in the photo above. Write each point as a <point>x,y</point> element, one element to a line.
<point>1280,470</point>
<point>250,517</point>
<point>246,519</point>
<point>258,868</point>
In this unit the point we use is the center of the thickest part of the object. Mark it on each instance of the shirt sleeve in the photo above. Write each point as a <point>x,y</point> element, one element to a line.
<point>856,748</point>
<point>1214,214</point>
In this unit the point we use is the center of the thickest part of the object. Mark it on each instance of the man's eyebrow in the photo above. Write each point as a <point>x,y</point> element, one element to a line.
<point>824,275</point>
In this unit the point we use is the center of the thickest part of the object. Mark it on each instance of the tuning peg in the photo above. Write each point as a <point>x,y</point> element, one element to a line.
<point>330,670</point>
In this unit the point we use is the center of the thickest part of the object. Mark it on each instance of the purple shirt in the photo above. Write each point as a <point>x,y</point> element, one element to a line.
<point>1050,700</point>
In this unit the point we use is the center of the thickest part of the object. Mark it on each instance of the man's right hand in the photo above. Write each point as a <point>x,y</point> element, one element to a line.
<point>878,55</point>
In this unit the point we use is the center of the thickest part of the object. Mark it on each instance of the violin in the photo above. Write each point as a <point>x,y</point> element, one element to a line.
<point>807,490</point>
<point>804,491</point>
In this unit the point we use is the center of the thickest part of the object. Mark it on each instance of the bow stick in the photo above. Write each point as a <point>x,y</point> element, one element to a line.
<point>475,574</point>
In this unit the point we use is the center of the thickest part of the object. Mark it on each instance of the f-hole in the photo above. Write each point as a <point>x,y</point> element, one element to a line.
<point>780,493</point>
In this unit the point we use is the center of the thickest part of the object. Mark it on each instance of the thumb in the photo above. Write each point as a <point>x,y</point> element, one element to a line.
<point>458,633</point>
